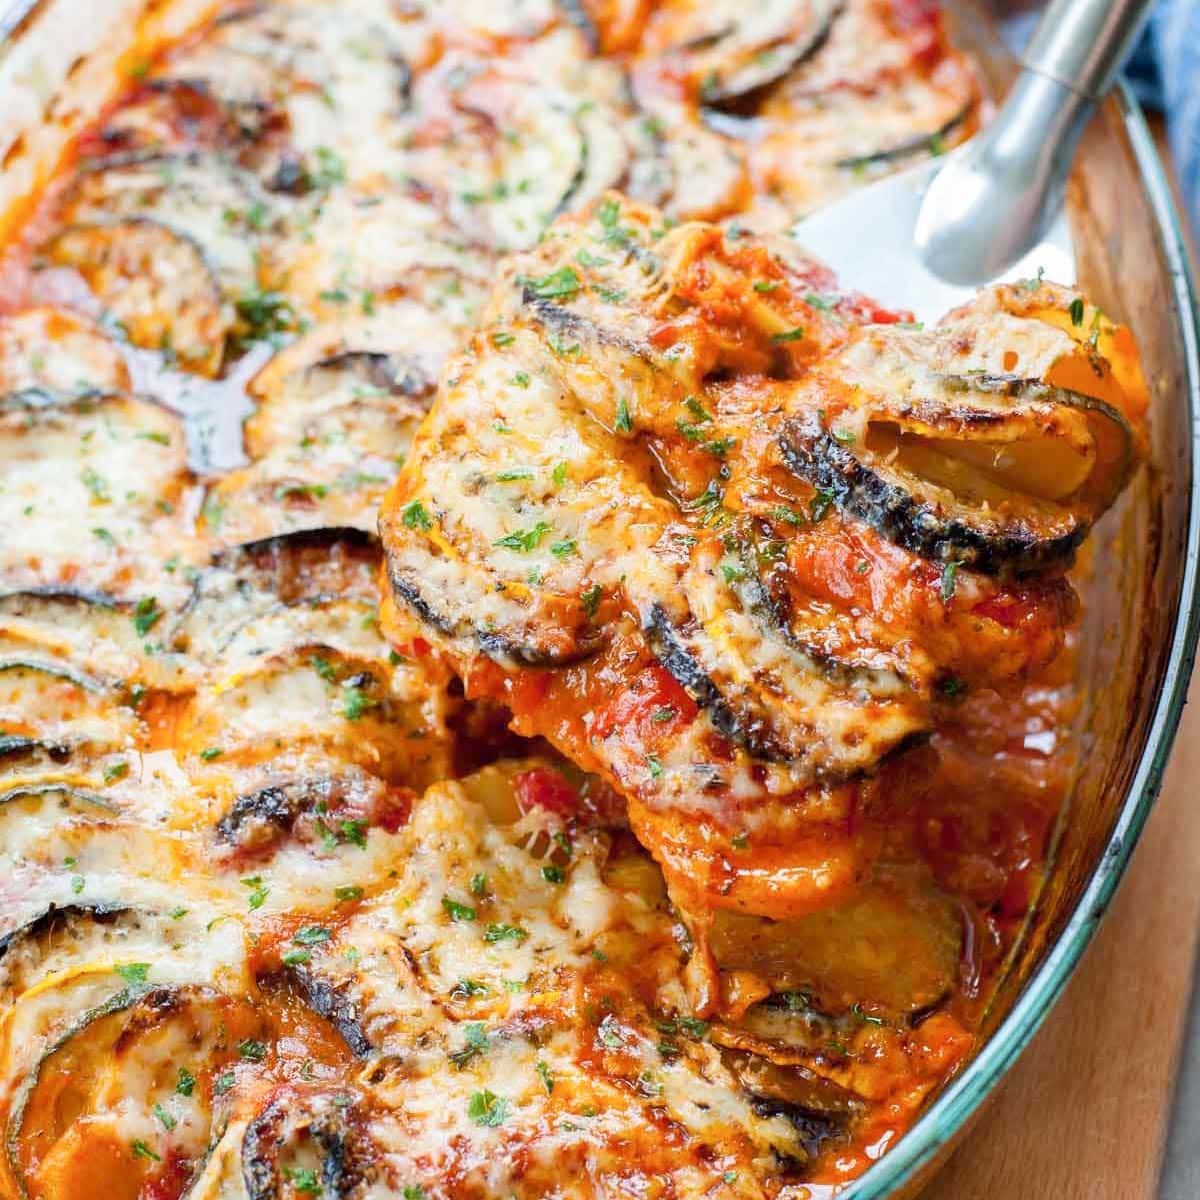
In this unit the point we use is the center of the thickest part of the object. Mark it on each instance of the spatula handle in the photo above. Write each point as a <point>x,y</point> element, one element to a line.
<point>1082,43</point>
<point>993,200</point>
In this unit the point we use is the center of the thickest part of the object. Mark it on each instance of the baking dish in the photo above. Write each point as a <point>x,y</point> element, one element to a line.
<point>59,68</point>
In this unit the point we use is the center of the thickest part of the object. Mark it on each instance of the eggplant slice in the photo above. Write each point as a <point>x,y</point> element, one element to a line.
<point>92,489</point>
<point>730,50</point>
<point>1000,473</point>
<point>327,443</point>
<point>494,539</point>
<point>51,354</point>
<point>825,713</point>
<point>201,197</point>
<point>155,282</point>
<point>315,1132</point>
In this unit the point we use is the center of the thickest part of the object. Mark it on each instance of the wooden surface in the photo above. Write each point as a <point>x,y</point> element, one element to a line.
<point>1083,1115</point>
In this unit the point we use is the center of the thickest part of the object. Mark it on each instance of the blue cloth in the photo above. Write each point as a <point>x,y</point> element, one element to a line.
<point>1165,73</point>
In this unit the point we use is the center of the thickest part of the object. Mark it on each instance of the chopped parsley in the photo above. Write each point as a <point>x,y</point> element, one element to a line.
<point>141,1150</point>
<point>115,771</point>
<point>475,1043</point>
<point>414,516</point>
<point>559,285</point>
<point>96,485</point>
<point>553,874</point>
<point>511,476</point>
<point>146,615</point>
<point>133,973</point>
<point>590,600</point>
<point>323,667</point>
<point>168,1121</point>
<point>210,752</point>
<point>949,579</point>
<point>545,1074</point>
<point>505,933</point>
<point>303,1179</point>
<point>349,892</point>
<point>524,540</point>
<point>264,313</point>
<point>354,832</point>
<point>456,911</point>
<point>258,891</point>
<point>355,702</point>
<point>1077,311</point>
<point>623,422</point>
<point>251,1050</point>
<point>486,1108</point>
<point>311,935</point>
<point>789,335</point>
<point>186,1084</point>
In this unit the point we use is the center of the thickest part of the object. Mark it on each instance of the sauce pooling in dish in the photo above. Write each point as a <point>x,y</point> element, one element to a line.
<point>650,809</point>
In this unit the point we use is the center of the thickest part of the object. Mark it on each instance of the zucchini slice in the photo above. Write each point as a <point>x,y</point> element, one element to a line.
<point>48,700</point>
<point>811,142</point>
<point>308,807</point>
<point>276,580</point>
<point>354,383</point>
<point>327,444</point>
<point>522,150</point>
<point>124,1055</point>
<point>93,634</point>
<point>364,248</point>
<point>155,282</point>
<point>1002,474</point>
<point>180,116</point>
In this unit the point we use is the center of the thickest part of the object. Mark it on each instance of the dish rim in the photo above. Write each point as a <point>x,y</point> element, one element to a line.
<point>950,1112</point>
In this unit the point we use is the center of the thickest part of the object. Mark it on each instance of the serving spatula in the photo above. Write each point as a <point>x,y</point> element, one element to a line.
<point>927,238</point>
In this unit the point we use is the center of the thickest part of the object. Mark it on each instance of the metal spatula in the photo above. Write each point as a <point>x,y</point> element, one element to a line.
<point>927,238</point>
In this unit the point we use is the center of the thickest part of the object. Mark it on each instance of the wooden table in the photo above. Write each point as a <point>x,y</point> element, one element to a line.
<point>1083,1115</point>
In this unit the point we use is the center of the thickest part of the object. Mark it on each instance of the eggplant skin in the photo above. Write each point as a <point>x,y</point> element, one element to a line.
<point>56,914</point>
<point>813,1129</point>
<point>495,645</point>
<point>688,673</point>
<point>260,816</point>
<point>267,1134</point>
<point>329,1001</point>
<point>819,458</point>
<point>917,144</point>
